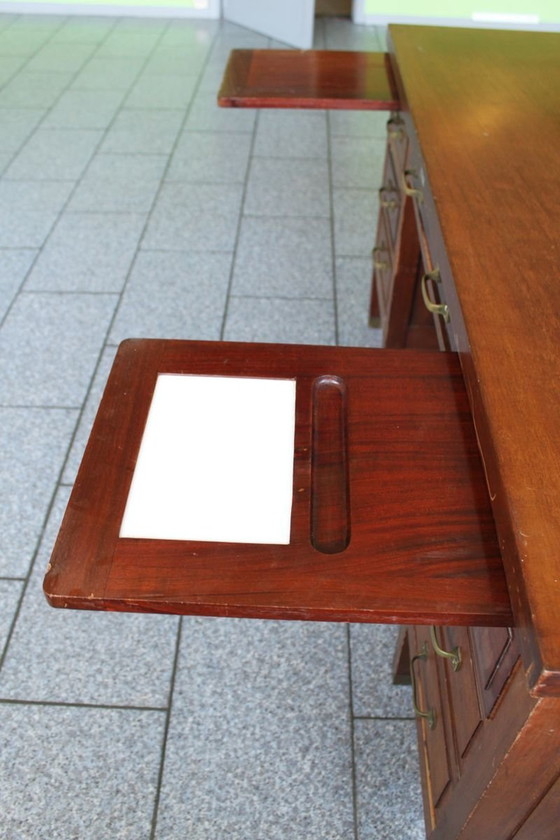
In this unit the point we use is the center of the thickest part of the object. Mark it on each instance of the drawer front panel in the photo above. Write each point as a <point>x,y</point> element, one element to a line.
<point>429,707</point>
<point>462,687</point>
<point>495,652</point>
<point>397,140</point>
<point>390,199</point>
<point>383,266</point>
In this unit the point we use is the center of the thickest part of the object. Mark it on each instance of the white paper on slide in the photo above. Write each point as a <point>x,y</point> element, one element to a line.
<point>215,462</point>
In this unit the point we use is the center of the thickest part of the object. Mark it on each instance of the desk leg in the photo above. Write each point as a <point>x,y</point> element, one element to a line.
<point>401,661</point>
<point>374,310</point>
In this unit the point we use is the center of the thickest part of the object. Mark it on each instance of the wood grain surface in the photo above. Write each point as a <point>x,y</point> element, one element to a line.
<point>484,107</point>
<point>308,79</point>
<point>414,537</point>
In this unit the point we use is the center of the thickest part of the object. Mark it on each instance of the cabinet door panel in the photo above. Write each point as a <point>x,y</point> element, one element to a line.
<point>495,652</point>
<point>461,685</point>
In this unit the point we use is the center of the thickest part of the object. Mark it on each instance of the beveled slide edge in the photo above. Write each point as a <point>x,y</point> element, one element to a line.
<point>422,544</point>
<point>332,79</point>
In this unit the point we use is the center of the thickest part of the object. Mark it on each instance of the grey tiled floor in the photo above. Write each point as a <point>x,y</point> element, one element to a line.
<point>130,205</point>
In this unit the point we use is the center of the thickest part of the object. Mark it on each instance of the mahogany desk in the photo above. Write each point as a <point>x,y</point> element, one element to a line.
<point>466,259</point>
<point>476,151</point>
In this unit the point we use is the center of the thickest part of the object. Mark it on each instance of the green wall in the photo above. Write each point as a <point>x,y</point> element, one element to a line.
<point>165,4</point>
<point>547,11</point>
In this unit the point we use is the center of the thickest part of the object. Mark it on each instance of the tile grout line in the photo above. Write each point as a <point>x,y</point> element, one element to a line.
<point>167,726</point>
<point>333,230</point>
<point>241,217</point>
<point>61,704</point>
<point>352,733</point>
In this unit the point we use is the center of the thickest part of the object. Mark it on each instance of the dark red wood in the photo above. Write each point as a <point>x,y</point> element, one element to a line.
<point>422,546</point>
<point>490,209</point>
<point>311,79</point>
<point>330,492</point>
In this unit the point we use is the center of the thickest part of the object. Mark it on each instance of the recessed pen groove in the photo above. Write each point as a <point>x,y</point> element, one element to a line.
<point>330,497</point>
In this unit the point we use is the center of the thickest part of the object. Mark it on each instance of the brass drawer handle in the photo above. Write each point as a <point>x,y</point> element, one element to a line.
<point>388,203</point>
<point>454,655</point>
<point>430,715</point>
<point>379,265</point>
<point>395,129</point>
<point>411,191</point>
<point>435,308</point>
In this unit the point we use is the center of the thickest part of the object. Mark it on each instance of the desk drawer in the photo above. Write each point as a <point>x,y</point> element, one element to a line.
<point>431,708</point>
<point>397,139</point>
<point>383,265</point>
<point>391,199</point>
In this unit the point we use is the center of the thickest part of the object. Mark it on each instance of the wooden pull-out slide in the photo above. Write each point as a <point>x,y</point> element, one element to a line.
<point>388,516</point>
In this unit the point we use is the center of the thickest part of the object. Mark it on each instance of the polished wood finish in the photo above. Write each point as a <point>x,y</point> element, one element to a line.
<point>312,79</point>
<point>543,822</point>
<point>481,107</point>
<point>435,746</point>
<point>474,106</point>
<point>413,536</point>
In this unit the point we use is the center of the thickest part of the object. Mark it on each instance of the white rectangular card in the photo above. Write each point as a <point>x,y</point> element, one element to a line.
<point>215,462</point>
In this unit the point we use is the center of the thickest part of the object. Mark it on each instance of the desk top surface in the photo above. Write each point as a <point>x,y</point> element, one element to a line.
<point>486,109</point>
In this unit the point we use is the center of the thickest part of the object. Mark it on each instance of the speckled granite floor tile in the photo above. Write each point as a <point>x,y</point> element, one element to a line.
<point>33,444</point>
<point>14,265</point>
<point>108,74</point>
<point>17,124</point>
<point>293,321</point>
<point>355,221</point>
<point>10,593</point>
<point>281,257</point>
<point>259,738</point>
<point>287,134</point>
<point>389,801</point>
<point>53,154</point>
<point>373,692</point>
<point>187,295</point>
<point>143,131</point>
<point>88,252</point>
<point>84,109</point>
<point>78,772</point>
<point>297,187</point>
<point>353,294</point>
<point>210,157</point>
<point>77,656</point>
<point>49,345</point>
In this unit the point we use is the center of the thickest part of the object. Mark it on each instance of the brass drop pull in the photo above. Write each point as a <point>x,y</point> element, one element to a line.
<point>395,129</point>
<point>379,265</point>
<point>388,203</point>
<point>430,715</point>
<point>411,191</point>
<point>454,655</point>
<point>435,308</point>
